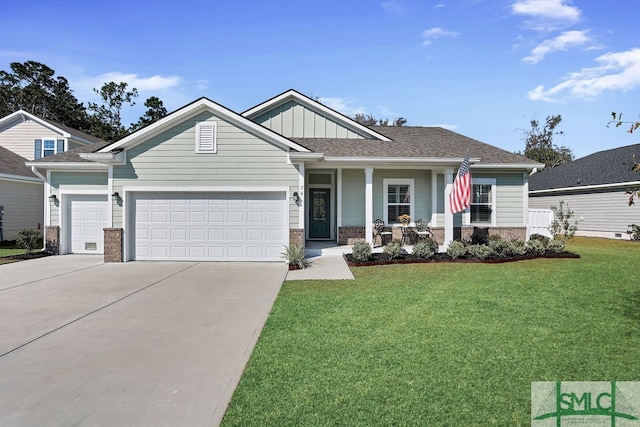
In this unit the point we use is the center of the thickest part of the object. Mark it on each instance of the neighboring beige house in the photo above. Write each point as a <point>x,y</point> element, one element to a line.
<point>24,137</point>
<point>207,183</point>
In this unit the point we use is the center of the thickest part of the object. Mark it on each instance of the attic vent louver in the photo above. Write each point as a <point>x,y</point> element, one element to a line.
<point>206,141</point>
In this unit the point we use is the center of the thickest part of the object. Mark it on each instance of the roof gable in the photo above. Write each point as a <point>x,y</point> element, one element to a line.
<point>198,106</point>
<point>294,115</point>
<point>58,128</point>
<point>600,168</point>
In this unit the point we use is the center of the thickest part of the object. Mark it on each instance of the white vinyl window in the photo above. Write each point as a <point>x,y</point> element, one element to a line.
<point>206,137</point>
<point>483,201</point>
<point>48,146</point>
<point>398,199</point>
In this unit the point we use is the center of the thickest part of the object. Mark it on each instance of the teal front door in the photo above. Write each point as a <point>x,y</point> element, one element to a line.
<point>319,214</point>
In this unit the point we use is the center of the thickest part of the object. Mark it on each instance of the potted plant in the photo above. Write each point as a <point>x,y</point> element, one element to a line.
<point>404,219</point>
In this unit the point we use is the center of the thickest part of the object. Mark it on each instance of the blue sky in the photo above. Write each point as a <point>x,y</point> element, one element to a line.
<point>482,68</point>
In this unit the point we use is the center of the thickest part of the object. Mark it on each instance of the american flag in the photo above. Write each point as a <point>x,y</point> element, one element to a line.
<point>460,197</point>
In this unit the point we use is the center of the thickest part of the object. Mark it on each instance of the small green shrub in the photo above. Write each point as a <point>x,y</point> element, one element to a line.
<point>544,239</point>
<point>425,249</point>
<point>456,249</point>
<point>561,225</point>
<point>635,231</point>
<point>518,247</point>
<point>295,254</point>
<point>500,247</point>
<point>535,247</point>
<point>361,251</point>
<point>479,251</point>
<point>391,251</point>
<point>556,247</point>
<point>28,239</point>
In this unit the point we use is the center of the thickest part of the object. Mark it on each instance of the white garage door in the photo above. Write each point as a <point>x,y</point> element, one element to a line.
<point>87,219</point>
<point>209,226</point>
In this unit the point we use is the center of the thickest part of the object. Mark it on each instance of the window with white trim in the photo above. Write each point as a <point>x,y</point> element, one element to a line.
<point>48,146</point>
<point>398,199</point>
<point>483,199</point>
<point>206,137</point>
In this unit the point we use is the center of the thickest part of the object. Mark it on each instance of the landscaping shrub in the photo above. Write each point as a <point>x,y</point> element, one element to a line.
<point>28,239</point>
<point>391,251</point>
<point>561,225</point>
<point>544,239</point>
<point>501,247</point>
<point>635,232</point>
<point>535,247</point>
<point>556,247</point>
<point>518,247</point>
<point>425,249</point>
<point>361,251</point>
<point>479,251</point>
<point>456,249</point>
<point>295,254</point>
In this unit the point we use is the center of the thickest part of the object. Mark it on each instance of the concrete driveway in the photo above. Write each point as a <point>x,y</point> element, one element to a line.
<point>139,343</point>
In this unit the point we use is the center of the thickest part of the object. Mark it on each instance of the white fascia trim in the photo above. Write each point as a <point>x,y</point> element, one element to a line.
<point>313,105</point>
<point>191,110</point>
<point>109,158</point>
<point>25,179</point>
<point>23,114</point>
<point>386,160</point>
<point>204,189</point>
<point>586,187</point>
<point>71,166</point>
<point>306,157</point>
<point>520,166</point>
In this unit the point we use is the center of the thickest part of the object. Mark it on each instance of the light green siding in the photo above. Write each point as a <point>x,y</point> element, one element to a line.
<point>242,160</point>
<point>75,181</point>
<point>294,120</point>
<point>509,198</point>
<point>353,183</point>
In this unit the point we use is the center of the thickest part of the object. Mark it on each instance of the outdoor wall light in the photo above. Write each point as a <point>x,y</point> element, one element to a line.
<point>53,198</point>
<point>115,196</point>
<point>296,197</point>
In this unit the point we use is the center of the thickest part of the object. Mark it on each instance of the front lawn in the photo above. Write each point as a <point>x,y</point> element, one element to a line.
<point>443,344</point>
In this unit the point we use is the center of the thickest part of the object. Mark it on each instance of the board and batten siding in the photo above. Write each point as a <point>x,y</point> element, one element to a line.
<point>18,136</point>
<point>242,160</point>
<point>85,182</point>
<point>23,204</point>
<point>595,211</point>
<point>295,120</point>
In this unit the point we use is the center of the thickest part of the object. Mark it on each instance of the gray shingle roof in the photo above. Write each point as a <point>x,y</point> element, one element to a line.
<point>414,141</point>
<point>603,167</point>
<point>13,164</point>
<point>74,132</point>
<point>72,155</point>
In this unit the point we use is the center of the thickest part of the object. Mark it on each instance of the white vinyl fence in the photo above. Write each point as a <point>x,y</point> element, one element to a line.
<point>539,221</point>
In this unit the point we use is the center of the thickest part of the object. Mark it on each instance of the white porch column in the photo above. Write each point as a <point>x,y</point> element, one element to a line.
<point>448,216</point>
<point>434,198</point>
<point>301,209</point>
<point>368,205</point>
<point>339,198</point>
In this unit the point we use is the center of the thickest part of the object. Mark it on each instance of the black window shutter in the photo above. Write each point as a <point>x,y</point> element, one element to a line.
<point>37,149</point>
<point>60,146</point>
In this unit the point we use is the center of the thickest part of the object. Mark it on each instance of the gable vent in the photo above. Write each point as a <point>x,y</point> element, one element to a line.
<point>206,137</point>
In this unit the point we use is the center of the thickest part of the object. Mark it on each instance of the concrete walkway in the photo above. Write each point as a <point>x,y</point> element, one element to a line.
<point>162,343</point>
<point>323,267</point>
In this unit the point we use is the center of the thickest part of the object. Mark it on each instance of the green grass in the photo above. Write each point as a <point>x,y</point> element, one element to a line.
<point>11,251</point>
<point>443,344</point>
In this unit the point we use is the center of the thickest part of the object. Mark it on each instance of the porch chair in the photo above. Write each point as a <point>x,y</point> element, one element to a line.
<point>379,231</point>
<point>423,230</point>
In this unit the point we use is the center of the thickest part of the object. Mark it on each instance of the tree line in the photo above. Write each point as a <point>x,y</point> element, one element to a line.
<point>34,87</point>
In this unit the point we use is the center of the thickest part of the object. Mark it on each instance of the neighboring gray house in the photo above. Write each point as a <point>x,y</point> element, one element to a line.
<point>594,187</point>
<point>24,136</point>
<point>207,183</point>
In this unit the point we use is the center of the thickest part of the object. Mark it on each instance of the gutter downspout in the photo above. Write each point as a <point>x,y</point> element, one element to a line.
<point>37,173</point>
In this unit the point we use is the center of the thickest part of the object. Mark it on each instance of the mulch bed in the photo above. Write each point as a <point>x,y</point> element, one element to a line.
<point>378,259</point>
<point>24,257</point>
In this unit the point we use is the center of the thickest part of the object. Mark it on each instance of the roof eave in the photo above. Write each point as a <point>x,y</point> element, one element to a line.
<point>12,177</point>
<point>587,187</point>
<point>110,158</point>
<point>68,165</point>
<point>22,113</point>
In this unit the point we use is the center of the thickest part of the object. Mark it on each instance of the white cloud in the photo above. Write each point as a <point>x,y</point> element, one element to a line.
<point>617,71</point>
<point>343,106</point>
<point>444,126</point>
<point>201,84</point>
<point>436,33</point>
<point>547,15</point>
<point>394,7</point>
<point>141,83</point>
<point>439,5</point>
<point>564,41</point>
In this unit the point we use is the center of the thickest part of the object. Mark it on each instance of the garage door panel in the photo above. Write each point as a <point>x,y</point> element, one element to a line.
<point>87,217</point>
<point>211,226</point>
